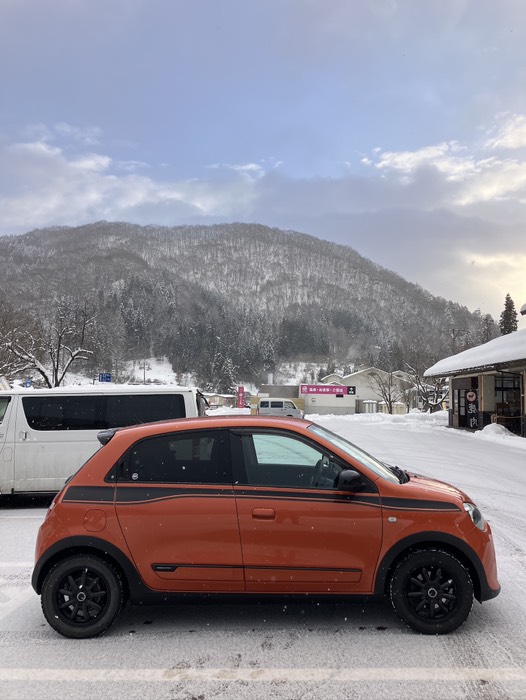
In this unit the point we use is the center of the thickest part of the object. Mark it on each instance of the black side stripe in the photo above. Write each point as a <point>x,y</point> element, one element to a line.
<point>164,568</point>
<point>170,568</point>
<point>90,494</point>
<point>417,504</point>
<point>142,494</point>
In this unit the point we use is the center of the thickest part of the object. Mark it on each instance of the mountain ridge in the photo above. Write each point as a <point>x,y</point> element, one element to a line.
<point>252,293</point>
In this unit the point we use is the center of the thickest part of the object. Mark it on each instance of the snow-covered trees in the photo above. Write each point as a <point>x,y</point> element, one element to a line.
<point>247,294</point>
<point>53,343</point>
<point>12,324</point>
<point>508,319</point>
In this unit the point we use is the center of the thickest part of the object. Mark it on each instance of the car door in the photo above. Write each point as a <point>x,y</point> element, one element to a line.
<point>177,511</point>
<point>299,532</point>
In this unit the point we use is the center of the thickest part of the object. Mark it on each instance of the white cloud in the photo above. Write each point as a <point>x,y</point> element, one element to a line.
<point>472,179</point>
<point>47,185</point>
<point>511,134</point>
<point>87,136</point>
<point>84,136</point>
<point>43,184</point>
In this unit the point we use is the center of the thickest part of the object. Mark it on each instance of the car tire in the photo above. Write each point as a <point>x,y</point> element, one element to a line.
<point>432,591</point>
<point>82,596</point>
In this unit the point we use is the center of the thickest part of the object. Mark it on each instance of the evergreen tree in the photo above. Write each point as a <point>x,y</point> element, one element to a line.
<point>508,318</point>
<point>488,330</point>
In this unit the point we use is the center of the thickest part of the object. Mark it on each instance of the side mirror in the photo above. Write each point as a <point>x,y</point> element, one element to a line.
<point>350,480</point>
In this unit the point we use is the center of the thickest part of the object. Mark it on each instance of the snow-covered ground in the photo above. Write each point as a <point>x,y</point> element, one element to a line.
<point>290,649</point>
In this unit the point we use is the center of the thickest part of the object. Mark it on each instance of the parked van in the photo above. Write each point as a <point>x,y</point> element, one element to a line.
<point>279,407</point>
<point>47,434</point>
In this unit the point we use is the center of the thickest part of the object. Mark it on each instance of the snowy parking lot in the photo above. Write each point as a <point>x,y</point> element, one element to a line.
<point>293,648</point>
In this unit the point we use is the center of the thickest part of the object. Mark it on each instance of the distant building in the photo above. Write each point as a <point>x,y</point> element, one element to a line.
<point>358,392</point>
<point>487,384</point>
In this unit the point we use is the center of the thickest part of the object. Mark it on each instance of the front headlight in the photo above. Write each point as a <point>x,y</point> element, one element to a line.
<point>475,515</point>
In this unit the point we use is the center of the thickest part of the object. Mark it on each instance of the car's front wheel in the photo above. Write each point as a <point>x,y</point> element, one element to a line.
<point>82,596</point>
<point>432,591</point>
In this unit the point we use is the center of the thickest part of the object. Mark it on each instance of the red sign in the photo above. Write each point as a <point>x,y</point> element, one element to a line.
<point>241,397</point>
<point>326,389</point>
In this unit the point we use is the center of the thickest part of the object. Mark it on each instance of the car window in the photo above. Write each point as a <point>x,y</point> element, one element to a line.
<point>276,404</point>
<point>263,404</point>
<point>282,460</point>
<point>199,457</point>
<point>289,404</point>
<point>355,452</point>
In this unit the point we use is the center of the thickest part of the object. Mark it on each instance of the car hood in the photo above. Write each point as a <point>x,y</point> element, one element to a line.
<point>436,488</point>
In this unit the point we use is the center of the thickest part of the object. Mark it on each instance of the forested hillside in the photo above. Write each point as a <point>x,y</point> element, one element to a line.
<point>228,302</point>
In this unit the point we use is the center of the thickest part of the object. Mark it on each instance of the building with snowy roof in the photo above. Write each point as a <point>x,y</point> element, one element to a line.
<point>487,384</point>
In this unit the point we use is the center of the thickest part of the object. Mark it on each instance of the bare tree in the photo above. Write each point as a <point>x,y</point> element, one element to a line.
<point>55,344</point>
<point>13,324</point>
<point>431,391</point>
<point>388,386</point>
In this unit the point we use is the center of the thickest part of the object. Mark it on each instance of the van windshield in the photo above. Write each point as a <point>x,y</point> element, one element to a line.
<point>4,401</point>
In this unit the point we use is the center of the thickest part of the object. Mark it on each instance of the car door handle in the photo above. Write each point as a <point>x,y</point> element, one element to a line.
<point>264,513</point>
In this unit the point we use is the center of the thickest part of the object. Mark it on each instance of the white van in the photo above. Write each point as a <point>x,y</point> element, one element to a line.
<point>47,434</point>
<point>279,407</point>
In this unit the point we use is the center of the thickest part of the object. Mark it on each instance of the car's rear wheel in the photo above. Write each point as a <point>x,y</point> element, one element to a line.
<point>432,591</point>
<point>82,596</point>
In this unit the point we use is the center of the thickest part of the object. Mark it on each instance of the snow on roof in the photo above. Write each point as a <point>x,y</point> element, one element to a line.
<point>503,350</point>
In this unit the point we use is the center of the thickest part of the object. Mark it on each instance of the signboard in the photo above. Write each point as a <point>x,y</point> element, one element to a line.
<point>241,397</point>
<point>327,389</point>
<point>104,377</point>
<point>472,409</point>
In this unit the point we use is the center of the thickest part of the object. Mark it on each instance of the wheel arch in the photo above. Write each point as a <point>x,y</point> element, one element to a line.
<point>433,540</point>
<point>72,546</point>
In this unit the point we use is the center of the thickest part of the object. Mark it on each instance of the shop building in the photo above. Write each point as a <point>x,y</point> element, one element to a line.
<point>487,384</point>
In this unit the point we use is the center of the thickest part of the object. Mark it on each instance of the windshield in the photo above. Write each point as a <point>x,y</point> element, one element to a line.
<point>355,452</point>
<point>4,400</point>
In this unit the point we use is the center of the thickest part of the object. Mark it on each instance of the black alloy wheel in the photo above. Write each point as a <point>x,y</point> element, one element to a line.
<point>432,591</point>
<point>82,596</point>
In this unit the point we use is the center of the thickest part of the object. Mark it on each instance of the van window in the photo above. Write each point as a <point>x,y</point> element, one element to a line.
<point>263,404</point>
<point>61,412</point>
<point>4,402</point>
<point>122,410</point>
<point>100,412</point>
<point>276,404</point>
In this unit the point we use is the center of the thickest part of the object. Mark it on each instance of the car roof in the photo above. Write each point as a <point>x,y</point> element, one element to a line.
<point>210,422</point>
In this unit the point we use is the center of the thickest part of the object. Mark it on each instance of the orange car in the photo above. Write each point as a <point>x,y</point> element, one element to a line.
<point>255,505</point>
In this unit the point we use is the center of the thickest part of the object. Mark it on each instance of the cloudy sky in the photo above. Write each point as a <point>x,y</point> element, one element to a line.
<point>397,127</point>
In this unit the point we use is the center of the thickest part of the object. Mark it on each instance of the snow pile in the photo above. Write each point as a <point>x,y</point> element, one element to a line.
<point>415,418</point>
<point>498,433</point>
<point>506,348</point>
<point>225,411</point>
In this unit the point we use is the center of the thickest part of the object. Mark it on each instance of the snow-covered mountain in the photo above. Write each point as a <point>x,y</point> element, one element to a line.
<point>234,298</point>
